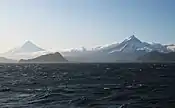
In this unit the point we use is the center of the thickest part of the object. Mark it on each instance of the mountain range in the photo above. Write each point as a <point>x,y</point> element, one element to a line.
<point>128,50</point>
<point>130,44</point>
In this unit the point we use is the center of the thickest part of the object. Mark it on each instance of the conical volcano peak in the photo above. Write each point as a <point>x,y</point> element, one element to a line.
<point>28,43</point>
<point>132,38</point>
<point>30,47</point>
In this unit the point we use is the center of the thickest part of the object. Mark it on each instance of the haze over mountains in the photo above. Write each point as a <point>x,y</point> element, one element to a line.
<point>27,51</point>
<point>128,50</point>
<point>48,58</point>
<point>28,47</point>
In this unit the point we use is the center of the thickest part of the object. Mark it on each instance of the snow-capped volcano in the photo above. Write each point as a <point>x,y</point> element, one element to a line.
<point>27,51</point>
<point>133,44</point>
<point>128,50</point>
<point>130,44</point>
<point>27,47</point>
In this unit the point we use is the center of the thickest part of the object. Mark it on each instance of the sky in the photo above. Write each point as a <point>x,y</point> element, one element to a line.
<point>64,24</point>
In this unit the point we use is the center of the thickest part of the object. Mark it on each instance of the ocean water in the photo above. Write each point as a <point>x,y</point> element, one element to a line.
<point>87,85</point>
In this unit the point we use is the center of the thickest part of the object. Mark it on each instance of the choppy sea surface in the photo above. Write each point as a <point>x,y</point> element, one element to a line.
<point>87,85</point>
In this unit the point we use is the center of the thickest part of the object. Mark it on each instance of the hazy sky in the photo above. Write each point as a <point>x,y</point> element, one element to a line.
<point>60,24</point>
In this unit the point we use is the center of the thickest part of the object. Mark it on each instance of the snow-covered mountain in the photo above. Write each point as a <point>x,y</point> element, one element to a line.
<point>28,47</point>
<point>133,44</point>
<point>171,47</point>
<point>27,51</point>
<point>130,44</point>
<point>129,49</point>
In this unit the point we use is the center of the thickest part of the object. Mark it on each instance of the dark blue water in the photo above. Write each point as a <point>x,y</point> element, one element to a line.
<point>87,86</point>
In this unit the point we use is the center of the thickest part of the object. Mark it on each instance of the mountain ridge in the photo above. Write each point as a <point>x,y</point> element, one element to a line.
<point>128,42</point>
<point>128,50</point>
<point>48,58</point>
